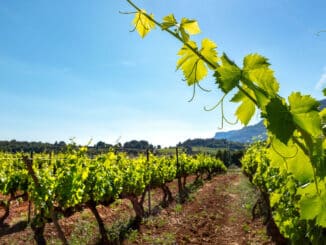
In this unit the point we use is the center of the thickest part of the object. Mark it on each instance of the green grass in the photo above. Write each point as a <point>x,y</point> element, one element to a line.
<point>246,228</point>
<point>120,229</point>
<point>246,191</point>
<point>132,236</point>
<point>84,233</point>
<point>177,208</point>
<point>166,238</point>
<point>155,221</point>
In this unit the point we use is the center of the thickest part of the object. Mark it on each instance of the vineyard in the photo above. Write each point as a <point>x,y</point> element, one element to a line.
<point>290,168</point>
<point>286,174</point>
<point>63,184</point>
<point>289,193</point>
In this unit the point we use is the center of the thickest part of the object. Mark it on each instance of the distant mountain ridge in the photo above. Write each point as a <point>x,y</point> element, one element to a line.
<point>246,134</point>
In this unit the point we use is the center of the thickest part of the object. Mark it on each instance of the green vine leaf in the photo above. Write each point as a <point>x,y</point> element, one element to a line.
<point>245,111</point>
<point>142,23</point>
<point>302,103</point>
<point>304,110</point>
<point>209,51</point>
<point>291,155</point>
<point>227,75</point>
<point>194,68</point>
<point>247,108</point>
<point>264,78</point>
<point>256,69</point>
<point>318,158</point>
<point>238,96</point>
<point>254,61</point>
<point>169,21</point>
<point>279,118</point>
<point>310,206</point>
<point>313,206</point>
<point>188,27</point>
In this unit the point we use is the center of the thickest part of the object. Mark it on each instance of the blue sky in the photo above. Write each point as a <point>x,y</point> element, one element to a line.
<point>73,69</point>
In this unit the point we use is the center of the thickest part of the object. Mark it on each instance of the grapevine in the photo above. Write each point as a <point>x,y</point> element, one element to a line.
<point>69,182</point>
<point>296,136</point>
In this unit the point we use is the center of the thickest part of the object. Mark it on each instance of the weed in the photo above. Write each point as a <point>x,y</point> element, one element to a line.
<point>246,228</point>
<point>84,232</point>
<point>178,208</point>
<point>233,219</point>
<point>119,229</point>
<point>116,204</point>
<point>262,232</point>
<point>86,214</point>
<point>248,206</point>
<point>166,238</point>
<point>132,235</point>
<point>157,222</point>
<point>191,197</point>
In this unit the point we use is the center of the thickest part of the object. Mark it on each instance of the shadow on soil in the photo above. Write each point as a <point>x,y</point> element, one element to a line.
<point>5,229</point>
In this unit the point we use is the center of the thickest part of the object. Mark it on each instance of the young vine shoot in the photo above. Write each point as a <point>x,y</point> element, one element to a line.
<point>290,167</point>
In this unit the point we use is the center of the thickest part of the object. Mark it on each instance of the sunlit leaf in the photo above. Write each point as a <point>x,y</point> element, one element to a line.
<point>256,69</point>
<point>190,26</point>
<point>279,118</point>
<point>142,23</point>
<point>193,67</point>
<point>304,110</point>
<point>238,97</point>
<point>254,61</point>
<point>209,51</point>
<point>245,111</point>
<point>169,21</point>
<point>227,75</point>
<point>310,206</point>
<point>290,154</point>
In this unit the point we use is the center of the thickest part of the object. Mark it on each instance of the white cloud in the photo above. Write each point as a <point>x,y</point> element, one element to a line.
<point>322,81</point>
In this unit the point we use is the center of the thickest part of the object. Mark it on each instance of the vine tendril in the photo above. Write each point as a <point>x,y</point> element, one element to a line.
<point>193,93</point>
<point>126,12</point>
<point>216,105</point>
<point>205,90</point>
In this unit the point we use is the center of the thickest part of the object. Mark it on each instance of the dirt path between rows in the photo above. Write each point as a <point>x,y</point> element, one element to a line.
<point>217,213</point>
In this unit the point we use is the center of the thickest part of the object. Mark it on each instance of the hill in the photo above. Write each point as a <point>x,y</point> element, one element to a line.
<point>243,135</point>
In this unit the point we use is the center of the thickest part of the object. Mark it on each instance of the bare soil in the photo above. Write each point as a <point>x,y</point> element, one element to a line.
<point>217,213</point>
